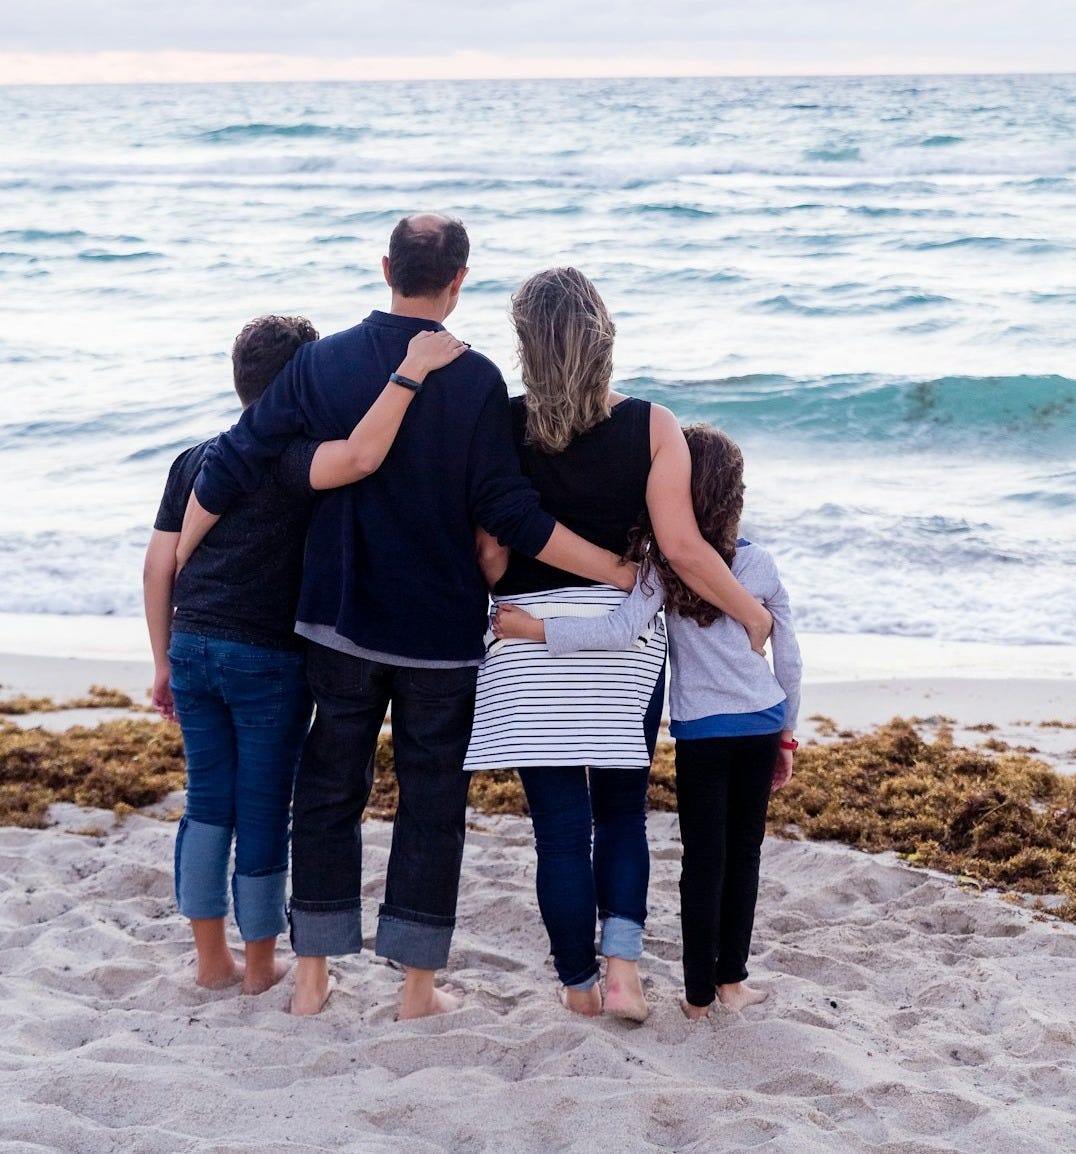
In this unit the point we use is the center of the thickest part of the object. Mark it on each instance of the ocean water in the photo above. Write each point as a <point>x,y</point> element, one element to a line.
<point>870,283</point>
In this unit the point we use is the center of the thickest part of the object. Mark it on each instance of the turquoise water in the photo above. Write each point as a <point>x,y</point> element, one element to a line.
<point>869,282</point>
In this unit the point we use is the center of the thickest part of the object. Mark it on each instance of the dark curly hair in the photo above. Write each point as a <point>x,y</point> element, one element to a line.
<point>264,346</point>
<point>717,497</point>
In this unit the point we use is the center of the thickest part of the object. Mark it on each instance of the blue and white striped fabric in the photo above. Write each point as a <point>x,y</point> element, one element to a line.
<point>581,709</point>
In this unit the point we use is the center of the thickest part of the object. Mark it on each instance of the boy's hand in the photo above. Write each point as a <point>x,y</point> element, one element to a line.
<point>162,694</point>
<point>509,621</point>
<point>430,350</point>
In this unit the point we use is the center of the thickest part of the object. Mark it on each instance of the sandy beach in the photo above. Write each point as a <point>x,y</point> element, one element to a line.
<point>907,1014</point>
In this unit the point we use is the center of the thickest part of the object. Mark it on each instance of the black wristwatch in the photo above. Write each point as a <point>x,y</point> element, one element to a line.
<point>407,382</point>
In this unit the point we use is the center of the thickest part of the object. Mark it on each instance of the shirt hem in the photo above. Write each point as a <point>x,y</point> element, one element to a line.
<point>326,635</point>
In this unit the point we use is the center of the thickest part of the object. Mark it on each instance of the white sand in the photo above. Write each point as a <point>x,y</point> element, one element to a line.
<point>906,1016</point>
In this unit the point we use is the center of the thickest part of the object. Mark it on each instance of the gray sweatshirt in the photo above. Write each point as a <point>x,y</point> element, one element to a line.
<point>714,668</point>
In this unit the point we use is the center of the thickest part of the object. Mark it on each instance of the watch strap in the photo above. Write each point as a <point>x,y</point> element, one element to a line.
<point>407,382</point>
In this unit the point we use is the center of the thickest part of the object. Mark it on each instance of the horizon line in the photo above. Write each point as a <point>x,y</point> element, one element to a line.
<point>116,68</point>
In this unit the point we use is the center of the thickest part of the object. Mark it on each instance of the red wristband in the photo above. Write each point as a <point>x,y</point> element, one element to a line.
<point>793,744</point>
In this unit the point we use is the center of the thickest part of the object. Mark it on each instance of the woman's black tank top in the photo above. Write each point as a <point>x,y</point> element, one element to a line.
<point>596,487</point>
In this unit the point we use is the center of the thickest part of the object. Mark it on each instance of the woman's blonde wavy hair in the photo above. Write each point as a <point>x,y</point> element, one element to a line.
<point>565,346</point>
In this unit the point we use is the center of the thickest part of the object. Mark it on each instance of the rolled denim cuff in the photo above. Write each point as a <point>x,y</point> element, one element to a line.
<point>585,984</point>
<point>621,938</point>
<point>326,933</point>
<point>422,944</point>
<point>202,853</point>
<point>259,905</point>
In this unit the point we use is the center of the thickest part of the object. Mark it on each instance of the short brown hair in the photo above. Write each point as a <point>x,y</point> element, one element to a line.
<point>423,260</point>
<point>264,346</point>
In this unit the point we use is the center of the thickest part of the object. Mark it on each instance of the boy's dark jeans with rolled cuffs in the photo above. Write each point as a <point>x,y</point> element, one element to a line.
<point>432,711</point>
<point>723,792</point>
<point>244,711</point>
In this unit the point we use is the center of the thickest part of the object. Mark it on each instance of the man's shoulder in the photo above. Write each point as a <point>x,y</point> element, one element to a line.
<point>476,368</point>
<point>334,343</point>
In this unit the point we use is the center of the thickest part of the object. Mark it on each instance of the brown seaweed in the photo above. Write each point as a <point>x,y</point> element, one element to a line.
<point>999,818</point>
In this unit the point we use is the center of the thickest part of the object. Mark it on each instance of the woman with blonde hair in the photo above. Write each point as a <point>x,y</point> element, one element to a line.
<point>581,729</point>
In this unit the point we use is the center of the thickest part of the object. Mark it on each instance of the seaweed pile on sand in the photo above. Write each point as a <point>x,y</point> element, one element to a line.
<point>1001,820</point>
<point>118,765</point>
<point>993,818</point>
<point>97,697</point>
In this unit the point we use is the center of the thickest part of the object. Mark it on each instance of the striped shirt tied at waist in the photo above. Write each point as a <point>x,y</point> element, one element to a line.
<point>585,708</point>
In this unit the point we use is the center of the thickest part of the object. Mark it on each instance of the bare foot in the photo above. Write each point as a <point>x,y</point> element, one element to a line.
<point>217,973</point>
<point>312,986</point>
<point>216,966</point>
<point>585,1002</point>
<point>419,997</point>
<point>694,1013</point>
<point>737,996</point>
<point>261,968</point>
<point>624,995</point>
<point>437,1001</point>
<point>257,982</point>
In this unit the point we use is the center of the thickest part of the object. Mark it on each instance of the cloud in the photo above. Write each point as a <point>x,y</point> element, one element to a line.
<point>714,35</point>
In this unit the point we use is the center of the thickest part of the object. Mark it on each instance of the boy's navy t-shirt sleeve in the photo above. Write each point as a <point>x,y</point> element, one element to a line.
<point>293,468</point>
<point>177,489</point>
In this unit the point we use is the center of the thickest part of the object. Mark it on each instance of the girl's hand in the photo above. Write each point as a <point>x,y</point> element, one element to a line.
<point>430,350</point>
<point>509,621</point>
<point>782,770</point>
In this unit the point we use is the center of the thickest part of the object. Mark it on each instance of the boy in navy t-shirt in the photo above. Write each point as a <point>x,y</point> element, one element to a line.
<point>228,664</point>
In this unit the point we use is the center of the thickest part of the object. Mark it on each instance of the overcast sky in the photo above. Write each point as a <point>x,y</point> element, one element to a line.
<point>205,39</point>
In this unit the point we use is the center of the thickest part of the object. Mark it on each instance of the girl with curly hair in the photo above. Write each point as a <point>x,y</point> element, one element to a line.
<point>732,718</point>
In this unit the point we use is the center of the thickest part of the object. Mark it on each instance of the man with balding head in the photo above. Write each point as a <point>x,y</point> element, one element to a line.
<point>394,608</point>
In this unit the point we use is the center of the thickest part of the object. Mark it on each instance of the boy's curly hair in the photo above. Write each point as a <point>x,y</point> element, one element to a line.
<point>717,497</point>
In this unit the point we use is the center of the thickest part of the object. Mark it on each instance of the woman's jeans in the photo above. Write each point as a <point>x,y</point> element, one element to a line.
<point>575,880</point>
<point>722,794</point>
<point>244,712</point>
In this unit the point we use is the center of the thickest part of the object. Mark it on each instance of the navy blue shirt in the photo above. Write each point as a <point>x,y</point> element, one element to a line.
<point>390,561</point>
<point>242,582</point>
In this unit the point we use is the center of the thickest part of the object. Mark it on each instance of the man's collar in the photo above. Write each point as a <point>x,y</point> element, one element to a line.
<point>409,324</point>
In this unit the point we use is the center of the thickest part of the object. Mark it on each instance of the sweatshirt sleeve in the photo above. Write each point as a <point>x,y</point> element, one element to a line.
<point>787,663</point>
<point>610,631</point>
<point>237,462</point>
<point>500,497</point>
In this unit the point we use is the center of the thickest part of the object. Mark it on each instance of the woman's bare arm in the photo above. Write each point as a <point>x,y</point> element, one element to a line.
<point>697,563</point>
<point>492,556</point>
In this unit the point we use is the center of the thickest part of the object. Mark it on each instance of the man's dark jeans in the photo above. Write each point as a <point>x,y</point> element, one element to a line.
<point>432,711</point>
